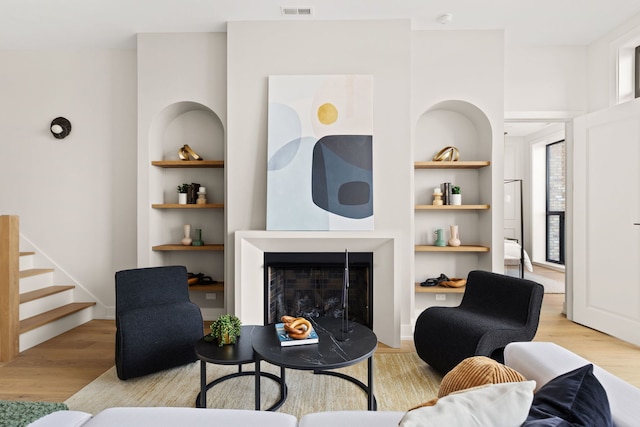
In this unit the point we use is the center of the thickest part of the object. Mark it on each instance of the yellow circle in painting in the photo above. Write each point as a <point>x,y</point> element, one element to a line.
<point>327,113</point>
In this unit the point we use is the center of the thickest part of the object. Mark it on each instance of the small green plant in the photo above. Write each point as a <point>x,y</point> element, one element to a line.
<point>184,188</point>
<point>225,327</point>
<point>455,190</point>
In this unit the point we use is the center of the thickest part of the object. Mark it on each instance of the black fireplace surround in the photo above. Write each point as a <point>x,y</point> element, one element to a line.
<point>311,285</point>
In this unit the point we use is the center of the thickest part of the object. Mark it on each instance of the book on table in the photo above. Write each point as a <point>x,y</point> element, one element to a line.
<point>286,340</point>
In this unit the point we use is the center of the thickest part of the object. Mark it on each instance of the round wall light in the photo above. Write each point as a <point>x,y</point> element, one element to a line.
<point>60,127</point>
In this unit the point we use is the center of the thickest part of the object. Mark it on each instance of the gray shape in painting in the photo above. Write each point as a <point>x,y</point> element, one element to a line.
<point>342,177</point>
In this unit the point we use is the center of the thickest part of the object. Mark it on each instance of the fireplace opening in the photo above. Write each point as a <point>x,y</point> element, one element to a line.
<point>311,284</point>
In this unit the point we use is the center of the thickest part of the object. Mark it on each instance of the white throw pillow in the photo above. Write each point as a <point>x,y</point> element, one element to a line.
<point>495,405</point>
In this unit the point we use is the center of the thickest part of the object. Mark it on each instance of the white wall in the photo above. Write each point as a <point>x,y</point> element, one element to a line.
<point>545,79</point>
<point>76,196</point>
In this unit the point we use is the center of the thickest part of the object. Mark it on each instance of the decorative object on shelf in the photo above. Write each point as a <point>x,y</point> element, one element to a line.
<point>200,279</point>
<point>202,196</point>
<point>198,239</point>
<point>456,196</point>
<point>455,239</point>
<point>446,192</point>
<point>447,154</point>
<point>60,127</point>
<point>440,237</point>
<point>433,281</point>
<point>186,241</point>
<point>437,196</point>
<point>225,330</point>
<point>192,193</point>
<point>185,152</point>
<point>182,194</point>
<point>454,282</point>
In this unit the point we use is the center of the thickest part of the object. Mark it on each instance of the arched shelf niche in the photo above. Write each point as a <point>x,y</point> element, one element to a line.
<point>463,125</point>
<point>190,123</point>
<point>197,125</point>
<point>181,123</point>
<point>453,122</point>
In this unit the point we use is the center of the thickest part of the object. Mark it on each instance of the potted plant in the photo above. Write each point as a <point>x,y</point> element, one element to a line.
<point>225,329</point>
<point>182,194</point>
<point>456,196</point>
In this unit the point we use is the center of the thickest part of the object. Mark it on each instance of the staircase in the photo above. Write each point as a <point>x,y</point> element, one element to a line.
<point>35,307</point>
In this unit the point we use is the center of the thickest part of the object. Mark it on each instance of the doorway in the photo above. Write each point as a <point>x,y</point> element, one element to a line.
<point>543,175</point>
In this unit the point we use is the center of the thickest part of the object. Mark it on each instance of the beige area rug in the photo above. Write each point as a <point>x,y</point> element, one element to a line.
<point>401,381</point>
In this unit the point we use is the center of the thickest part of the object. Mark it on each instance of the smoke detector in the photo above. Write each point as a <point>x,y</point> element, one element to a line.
<point>445,18</point>
<point>296,11</point>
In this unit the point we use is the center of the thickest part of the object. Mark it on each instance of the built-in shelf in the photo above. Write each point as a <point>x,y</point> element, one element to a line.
<point>451,207</point>
<point>216,287</point>
<point>472,164</point>
<point>188,163</point>
<point>188,206</point>
<point>179,247</point>
<point>437,289</point>
<point>462,248</point>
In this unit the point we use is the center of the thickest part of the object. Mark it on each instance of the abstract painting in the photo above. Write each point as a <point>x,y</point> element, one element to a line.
<point>320,153</point>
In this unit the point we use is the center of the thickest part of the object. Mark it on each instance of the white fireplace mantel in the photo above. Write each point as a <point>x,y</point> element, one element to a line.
<point>251,245</point>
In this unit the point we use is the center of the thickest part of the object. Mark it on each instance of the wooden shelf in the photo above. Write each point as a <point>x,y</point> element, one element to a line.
<point>462,248</point>
<point>188,163</point>
<point>188,206</point>
<point>179,247</point>
<point>451,207</point>
<point>439,289</point>
<point>474,164</point>
<point>216,287</point>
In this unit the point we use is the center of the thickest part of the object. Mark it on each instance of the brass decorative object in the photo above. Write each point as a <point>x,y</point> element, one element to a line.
<point>447,154</point>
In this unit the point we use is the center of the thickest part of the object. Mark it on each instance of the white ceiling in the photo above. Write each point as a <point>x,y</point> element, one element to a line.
<point>73,24</point>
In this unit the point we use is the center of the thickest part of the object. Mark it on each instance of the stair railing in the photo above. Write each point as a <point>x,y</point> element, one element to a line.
<point>9,287</point>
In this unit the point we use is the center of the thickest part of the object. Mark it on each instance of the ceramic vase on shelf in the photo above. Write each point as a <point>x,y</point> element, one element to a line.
<point>186,241</point>
<point>182,198</point>
<point>198,240</point>
<point>440,238</point>
<point>455,238</point>
<point>456,199</point>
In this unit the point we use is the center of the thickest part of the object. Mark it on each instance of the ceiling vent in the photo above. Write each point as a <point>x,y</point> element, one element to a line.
<point>296,11</point>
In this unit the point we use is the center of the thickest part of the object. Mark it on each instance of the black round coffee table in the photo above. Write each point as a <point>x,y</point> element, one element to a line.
<point>335,349</point>
<point>239,354</point>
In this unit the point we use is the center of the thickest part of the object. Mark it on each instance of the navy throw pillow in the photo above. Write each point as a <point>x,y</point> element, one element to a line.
<point>573,399</point>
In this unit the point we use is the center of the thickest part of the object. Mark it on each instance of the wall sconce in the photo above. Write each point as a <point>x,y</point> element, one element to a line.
<point>60,127</point>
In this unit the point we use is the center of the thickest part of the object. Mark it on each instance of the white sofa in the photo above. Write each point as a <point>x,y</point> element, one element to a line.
<point>539,361</point>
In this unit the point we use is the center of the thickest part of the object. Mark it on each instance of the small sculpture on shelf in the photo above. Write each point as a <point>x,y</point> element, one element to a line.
<point>202,196</point>
<point>437,196</point>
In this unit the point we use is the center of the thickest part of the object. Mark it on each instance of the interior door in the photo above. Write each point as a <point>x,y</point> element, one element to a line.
<point>606,234</point>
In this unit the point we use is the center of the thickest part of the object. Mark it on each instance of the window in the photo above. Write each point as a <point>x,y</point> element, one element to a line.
<point>556,202</point>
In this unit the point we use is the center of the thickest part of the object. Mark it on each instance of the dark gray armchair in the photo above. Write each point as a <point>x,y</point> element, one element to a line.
<point>157,325</point>
<point>495,310</point>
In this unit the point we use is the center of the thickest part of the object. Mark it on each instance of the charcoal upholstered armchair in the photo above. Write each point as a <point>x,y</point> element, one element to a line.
<point>495,310</point>
<point>157,325</point>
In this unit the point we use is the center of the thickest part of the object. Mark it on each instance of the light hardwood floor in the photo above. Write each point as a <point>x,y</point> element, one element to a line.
<point>55,370</point>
